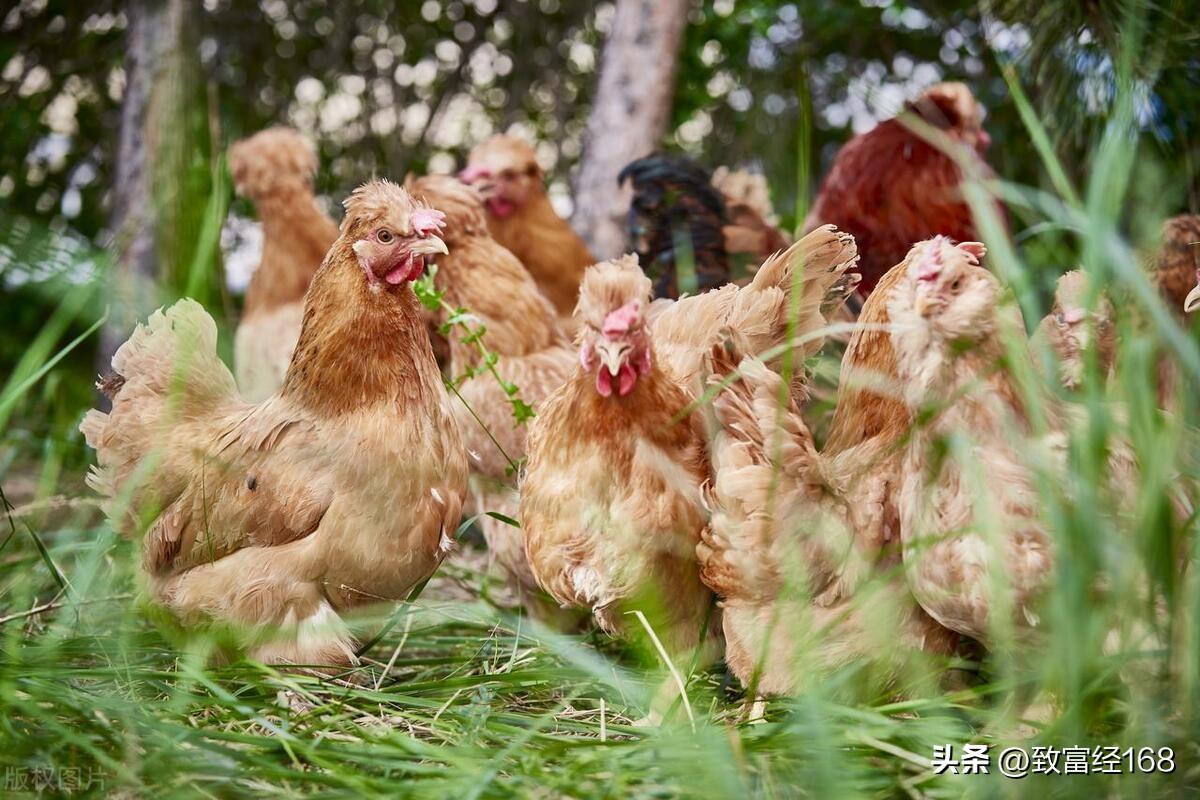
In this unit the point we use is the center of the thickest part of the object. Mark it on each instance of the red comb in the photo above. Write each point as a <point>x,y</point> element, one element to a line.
<point>931,266</point>
<point>618,321</point>
<point>427,220</point>
<point>470,174</point>
<point>976,250</point>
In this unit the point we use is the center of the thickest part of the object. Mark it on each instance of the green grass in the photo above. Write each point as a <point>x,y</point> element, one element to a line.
<point>460,699</point>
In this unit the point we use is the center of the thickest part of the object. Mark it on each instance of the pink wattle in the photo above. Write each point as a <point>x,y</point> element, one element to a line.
<point>604,382</point>
<point>626,378</point>
<point>409,269</point>
<point>500,207</point>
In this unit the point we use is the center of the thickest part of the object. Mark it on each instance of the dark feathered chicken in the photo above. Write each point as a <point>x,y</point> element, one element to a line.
<point>675,207</point>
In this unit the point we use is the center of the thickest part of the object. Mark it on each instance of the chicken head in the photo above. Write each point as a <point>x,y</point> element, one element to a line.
<point>951,107</point>
<point>945,295</point>
<point>505,171</point>
<point>391,233</point>
<point>613,341</point>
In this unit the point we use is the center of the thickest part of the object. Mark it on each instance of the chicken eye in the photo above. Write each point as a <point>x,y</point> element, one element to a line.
<point>385,236</point>
<point>956,284</point>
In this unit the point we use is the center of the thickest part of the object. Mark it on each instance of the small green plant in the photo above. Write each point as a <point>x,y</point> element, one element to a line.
<point>473,332</point>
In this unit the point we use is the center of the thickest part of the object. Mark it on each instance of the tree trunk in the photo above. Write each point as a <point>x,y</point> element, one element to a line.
<point>153,37</point>
<point>629,116</point>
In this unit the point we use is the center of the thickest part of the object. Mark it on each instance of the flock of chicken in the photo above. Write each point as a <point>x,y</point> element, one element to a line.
<point>669,469</point>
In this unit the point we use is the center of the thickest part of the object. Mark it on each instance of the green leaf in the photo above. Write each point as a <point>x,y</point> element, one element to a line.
<point>505,519</point>
<point>427,291</point>
<point>522,411</point>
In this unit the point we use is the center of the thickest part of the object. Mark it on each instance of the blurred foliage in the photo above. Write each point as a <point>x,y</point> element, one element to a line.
<point>1077,47</point>
<point>387,87</point>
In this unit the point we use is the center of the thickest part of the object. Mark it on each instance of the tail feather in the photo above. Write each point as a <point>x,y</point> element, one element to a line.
<point>763,455</point>
<point>167,372</point>
<point>759,315</point>
<point>824,250</point>
<point>175,351</point>
<point>817,269</point>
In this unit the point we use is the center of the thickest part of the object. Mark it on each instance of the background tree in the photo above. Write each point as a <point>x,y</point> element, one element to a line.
<point>629,114</point>
<point>155,181</point>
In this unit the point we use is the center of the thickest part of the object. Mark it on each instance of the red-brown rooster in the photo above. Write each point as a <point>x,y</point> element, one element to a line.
<point>891,188</point>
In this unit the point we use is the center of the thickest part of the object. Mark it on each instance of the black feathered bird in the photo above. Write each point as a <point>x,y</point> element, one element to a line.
<point>675,207</point>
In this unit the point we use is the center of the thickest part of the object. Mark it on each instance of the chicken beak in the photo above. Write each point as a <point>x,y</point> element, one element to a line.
<point>923,306</point>
<point>1192,301</point>
<point>611,354</point>
<point>428,246</point>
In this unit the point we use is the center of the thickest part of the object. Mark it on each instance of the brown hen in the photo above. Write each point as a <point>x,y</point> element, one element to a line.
<point>752,227</point>
<point>275,169</point>
<point>520,217</point>
<point>781,541</point>
<point>342,489</point>
<point>611,500</point>
<point>970,520</point>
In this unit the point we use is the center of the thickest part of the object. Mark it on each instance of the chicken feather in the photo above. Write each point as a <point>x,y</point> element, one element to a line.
<point>780,538</point>
<point>759,314</point>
